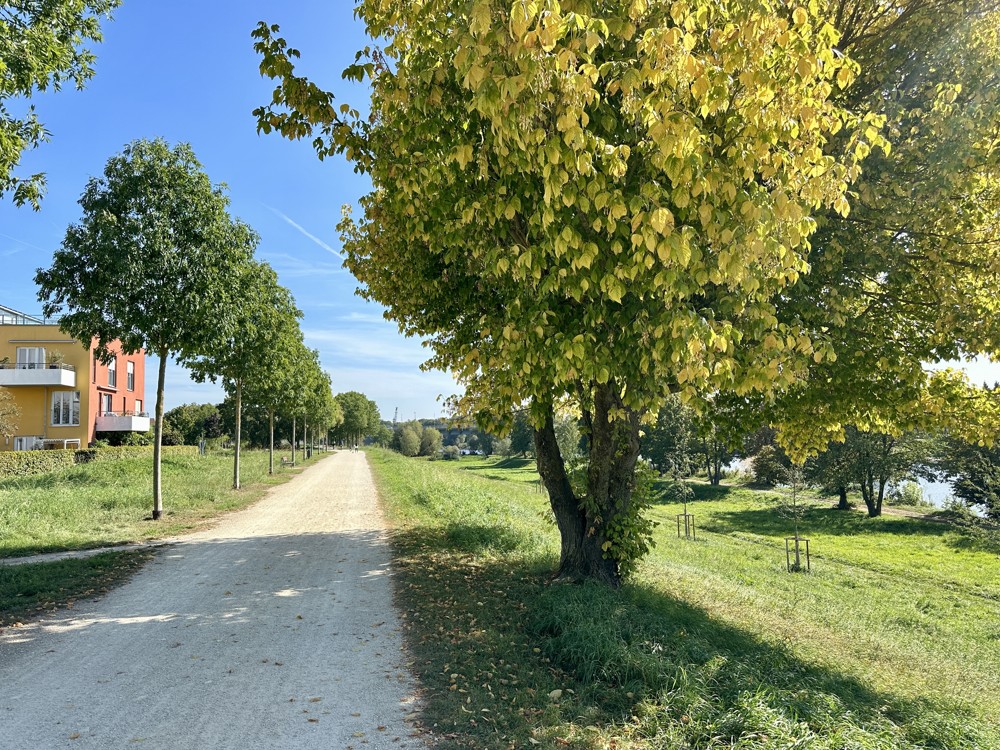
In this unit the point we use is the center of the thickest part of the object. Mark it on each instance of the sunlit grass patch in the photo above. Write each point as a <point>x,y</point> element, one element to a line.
<point>713,644</point>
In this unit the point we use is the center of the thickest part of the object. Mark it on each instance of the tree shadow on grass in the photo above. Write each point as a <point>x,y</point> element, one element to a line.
<point>635,662</point>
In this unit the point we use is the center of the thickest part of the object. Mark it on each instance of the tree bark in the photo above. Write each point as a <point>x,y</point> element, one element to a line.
<point>238,406</point>
<point>158,437</point>
<point>843,505</point>
<point>270,446</point>
<point>614,450</point>
<point>293,440</point>
<point>305,433</point>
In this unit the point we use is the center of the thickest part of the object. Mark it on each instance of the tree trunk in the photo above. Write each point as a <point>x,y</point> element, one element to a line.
<point>842,505</point>
<point>868,494</point>
<point>583,526</point>
<point>882,482</point>
<point>238,406</point>
<point>305,433</point>
<point>158,437</point>
<point>293,440</point>
<point>270,446</point>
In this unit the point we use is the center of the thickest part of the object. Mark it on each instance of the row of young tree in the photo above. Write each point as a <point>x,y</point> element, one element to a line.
<point>866,462</point>
<point>157,263</point>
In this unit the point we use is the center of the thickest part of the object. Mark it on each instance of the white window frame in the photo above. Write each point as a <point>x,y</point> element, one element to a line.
<point>30,357</point>
<point>107,403</point>
<point>113,373</point>
<point>138,406</point>
<point>130,375</point>
<point>27,442</point>
<point>68,403</point>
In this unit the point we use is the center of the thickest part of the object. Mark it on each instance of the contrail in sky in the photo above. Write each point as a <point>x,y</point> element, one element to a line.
<point>301,229</point>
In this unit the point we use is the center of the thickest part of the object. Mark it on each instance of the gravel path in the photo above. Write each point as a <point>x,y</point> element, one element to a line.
<point>275,629</point>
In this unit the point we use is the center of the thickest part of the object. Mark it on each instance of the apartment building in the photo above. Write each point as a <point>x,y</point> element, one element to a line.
<point>66,396</point>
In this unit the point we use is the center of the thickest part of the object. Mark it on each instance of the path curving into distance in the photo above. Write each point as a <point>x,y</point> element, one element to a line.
<point>274,629</point>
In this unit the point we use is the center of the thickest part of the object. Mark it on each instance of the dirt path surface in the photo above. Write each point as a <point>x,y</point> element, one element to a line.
<point>274,629</point>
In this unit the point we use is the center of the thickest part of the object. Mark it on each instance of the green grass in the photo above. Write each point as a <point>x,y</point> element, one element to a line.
<point>893,641</point>
<point>29,590</point>
<point>99,504</point>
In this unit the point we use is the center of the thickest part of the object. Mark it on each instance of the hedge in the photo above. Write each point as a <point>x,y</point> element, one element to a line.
<point>27,463</point>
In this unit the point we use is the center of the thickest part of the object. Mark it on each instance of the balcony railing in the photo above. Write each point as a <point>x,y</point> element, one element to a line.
<point>36,366</point>
<point>122,421</point>
<point>37,373</point>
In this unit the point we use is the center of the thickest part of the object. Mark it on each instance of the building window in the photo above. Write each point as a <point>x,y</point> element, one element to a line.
<point>113,373</point>
<point>66,409</point>
<point>106,403</point>
<point>27,443</point>
<point>138,406</point>
<point>130,375</point>
<point>30,357</point>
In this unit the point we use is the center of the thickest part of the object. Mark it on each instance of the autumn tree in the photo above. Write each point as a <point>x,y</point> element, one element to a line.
<point>247,350</point>
<point>148,264</point>
<point>43,45</point>
<point>608,202</point>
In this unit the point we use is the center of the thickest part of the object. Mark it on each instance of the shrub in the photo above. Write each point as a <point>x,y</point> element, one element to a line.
<point>451,453</point>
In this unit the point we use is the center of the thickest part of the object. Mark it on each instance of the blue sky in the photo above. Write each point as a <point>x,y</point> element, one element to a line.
<point>187,71</point>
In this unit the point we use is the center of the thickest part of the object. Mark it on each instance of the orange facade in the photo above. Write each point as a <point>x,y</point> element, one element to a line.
<point>65,395</point>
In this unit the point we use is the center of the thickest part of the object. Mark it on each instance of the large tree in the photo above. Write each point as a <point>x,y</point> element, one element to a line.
<point>611,202</point>
<point>248,349</point>
<point>43,45</point>
<point>149,264</point>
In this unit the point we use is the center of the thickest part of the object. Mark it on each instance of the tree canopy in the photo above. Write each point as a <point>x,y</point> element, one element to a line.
<point>149,264</point>
<point>610,202</point>
<point>43,44</point>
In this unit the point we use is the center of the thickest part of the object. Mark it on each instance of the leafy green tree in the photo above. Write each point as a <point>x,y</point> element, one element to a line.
<point>974,472</point>
<point>672,443</point>
<point>567,431</point>
<point>521,435</point>
<point>361,418</point>
<point>382,436</point>
<point>430,442</point>
<point>245,347</point>
<point>832,471</point>
<point>195,421</point>
<point>10,413</point>
<point>770,467</point>
<point>407,438</point>
<point>149,264</point>
<point>612,202</point>
<point>43,44</point>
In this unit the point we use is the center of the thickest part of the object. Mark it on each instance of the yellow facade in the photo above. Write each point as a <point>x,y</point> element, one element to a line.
<point>37,361</point>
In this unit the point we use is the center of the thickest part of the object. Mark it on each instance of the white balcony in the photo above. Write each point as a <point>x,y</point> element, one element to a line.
<point>31,373</point>
<point>122,422</point>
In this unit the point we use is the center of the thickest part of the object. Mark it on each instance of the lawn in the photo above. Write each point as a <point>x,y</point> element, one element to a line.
<point>98,504</point>
<point>893,640</point>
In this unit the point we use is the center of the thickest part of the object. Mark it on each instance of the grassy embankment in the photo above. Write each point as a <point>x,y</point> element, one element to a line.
<point>893,641</point>
<point>100,504</point>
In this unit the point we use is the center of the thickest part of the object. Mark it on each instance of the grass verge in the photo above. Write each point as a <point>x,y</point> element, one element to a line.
<point>712,645</point>
<point>101,504</point>
<point>27,591</point>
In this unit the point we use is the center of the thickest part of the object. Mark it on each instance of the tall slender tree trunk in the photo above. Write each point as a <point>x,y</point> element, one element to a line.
<point>158,437</point>
<point>293,440</point>
<point>270,445</point>
<point>238,406</point>
<point>305,434</point>
<point>843,505</point>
